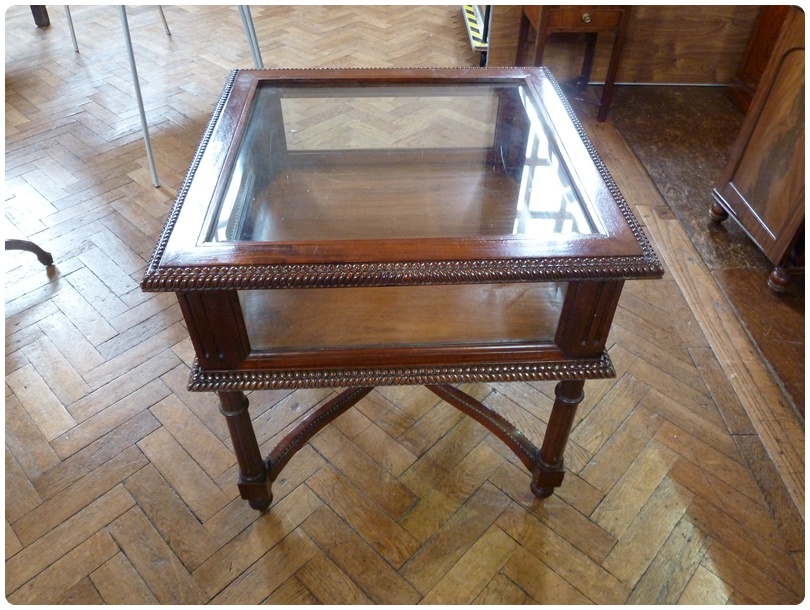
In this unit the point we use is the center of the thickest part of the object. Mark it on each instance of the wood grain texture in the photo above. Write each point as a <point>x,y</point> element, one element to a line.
<point>665,44</point>
<point>771,416</point>
<point>401,499</point>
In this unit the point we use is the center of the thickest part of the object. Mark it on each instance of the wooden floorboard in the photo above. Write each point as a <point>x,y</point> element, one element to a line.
<point>685,473</point>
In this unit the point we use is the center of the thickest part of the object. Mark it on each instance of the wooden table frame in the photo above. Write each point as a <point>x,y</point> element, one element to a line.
<point>207,279</point>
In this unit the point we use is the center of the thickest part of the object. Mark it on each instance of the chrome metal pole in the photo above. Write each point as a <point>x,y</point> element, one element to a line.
<point>165,23</point>
<point>136,82</point>
<point>70,27</point>
<point>250,34</point>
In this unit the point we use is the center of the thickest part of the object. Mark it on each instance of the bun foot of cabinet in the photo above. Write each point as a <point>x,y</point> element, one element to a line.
<point>784,273</point>
<point>717,214</point>
<point>779,280</point>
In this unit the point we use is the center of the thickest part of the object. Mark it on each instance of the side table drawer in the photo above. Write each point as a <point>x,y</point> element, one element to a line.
<point>584,18</point>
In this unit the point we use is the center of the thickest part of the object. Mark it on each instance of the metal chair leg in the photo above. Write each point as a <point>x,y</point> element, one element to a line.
<point>165,23</point>
<point>73,31</point>
<point>70,27</point>
<point>128,39</point>
<point>250,34</point>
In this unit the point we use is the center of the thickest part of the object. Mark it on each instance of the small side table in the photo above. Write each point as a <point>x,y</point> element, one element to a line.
<point>479,238</point>
<point>590,20</point>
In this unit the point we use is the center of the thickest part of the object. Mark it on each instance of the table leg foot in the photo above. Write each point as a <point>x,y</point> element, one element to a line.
<point>545,480</point>
<point>258,493</point>
<point>21,244</point>
<point>542,492</point>
<point>260,505</point>
<point>40,14</point>
<point>548,471</point>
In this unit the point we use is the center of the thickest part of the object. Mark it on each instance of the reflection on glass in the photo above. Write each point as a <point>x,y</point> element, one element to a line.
<point>389,122</point>
<point>399,316</point>
<point>396,162</point>
<point>233,210</point>
<point>547,203</point>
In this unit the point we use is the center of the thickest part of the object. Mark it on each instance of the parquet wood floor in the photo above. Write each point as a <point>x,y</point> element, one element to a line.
<point>683,484</point>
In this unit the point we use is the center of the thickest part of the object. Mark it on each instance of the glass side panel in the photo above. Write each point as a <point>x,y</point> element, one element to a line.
<point>397,316</point>
<point>336,163</point>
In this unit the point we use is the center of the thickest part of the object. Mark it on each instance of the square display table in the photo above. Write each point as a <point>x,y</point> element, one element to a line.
<point>367,227</point>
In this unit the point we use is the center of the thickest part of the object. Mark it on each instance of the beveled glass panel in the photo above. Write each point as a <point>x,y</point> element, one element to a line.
<point>463,161</point>
<point>398,316</point>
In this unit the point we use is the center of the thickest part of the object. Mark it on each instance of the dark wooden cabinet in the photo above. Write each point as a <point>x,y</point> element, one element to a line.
<point>764,35</point>
<point>762,186</point>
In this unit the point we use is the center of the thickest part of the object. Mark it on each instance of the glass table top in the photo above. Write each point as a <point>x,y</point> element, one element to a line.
<point>389,176</point>
<point>397,161</point>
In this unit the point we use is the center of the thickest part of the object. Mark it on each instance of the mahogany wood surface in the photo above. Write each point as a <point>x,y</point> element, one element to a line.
<point>365,331</point>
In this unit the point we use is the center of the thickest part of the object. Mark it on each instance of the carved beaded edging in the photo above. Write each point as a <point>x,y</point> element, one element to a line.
<point>341,275</point>
<point>202,381</point>
<point>163,240</point>
<point>650,258</point>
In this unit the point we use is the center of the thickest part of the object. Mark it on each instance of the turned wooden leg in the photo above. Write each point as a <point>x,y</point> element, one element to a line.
<point>549,470</point>
<point>40,14</point>
<point>253,483</point>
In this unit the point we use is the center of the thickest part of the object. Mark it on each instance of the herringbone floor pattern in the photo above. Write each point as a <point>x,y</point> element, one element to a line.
<point>120,484</point>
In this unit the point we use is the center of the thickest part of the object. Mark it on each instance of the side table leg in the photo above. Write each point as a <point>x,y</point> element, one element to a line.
<point>40,13</point>
<point>549,470</point>
<point>253,484</point>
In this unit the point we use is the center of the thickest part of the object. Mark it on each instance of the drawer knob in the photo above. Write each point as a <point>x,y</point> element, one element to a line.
<point>586,17</point>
